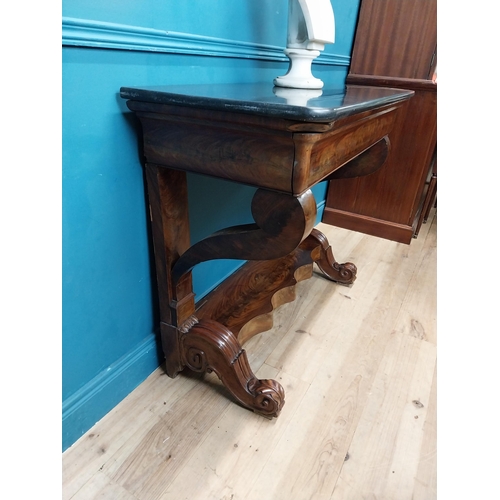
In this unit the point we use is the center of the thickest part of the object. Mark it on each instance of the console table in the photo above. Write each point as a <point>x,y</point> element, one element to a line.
<point>281,141</point>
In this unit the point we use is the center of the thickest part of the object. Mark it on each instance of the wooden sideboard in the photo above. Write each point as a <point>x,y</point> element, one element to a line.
<point>395,46</point>
<point>281,142</point>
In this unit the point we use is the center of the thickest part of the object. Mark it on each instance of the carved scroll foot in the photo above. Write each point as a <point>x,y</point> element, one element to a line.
<point>345,274</point>
<point>209,346</point>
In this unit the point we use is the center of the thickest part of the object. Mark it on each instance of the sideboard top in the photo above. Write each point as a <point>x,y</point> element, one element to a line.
<point>264,99</point>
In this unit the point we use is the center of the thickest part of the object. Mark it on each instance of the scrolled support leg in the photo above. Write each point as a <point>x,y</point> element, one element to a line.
<point>345,274</point>
<point>209,346</point>
<point>282,221</point>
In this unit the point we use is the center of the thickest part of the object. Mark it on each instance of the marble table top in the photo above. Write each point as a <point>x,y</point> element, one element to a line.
<point>264,99</point>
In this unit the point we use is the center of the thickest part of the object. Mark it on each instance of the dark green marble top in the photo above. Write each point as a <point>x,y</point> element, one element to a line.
<point>266,100</point>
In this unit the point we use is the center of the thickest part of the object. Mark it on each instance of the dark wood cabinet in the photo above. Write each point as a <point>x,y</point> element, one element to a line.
<point>395,46</point>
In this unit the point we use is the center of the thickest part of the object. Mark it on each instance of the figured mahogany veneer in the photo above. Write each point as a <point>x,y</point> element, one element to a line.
<point>248,135</point>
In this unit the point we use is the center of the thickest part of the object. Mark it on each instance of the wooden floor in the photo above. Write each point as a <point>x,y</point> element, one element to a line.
<point>358,365</point>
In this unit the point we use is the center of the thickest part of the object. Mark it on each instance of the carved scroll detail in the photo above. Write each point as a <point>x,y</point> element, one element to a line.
<point>269,396</point>
<point>344,274</point>
<point>196,360</point>
<point>210,346</point>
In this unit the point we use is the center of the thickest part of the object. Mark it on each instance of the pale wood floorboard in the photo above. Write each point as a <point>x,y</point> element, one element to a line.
<point>358,365</point>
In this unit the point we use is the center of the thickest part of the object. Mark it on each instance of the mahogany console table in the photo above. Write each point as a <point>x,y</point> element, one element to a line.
<point>281,142</point>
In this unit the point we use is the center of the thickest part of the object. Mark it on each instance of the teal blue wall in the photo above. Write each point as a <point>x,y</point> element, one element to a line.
<point>110,341</point>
